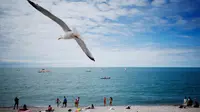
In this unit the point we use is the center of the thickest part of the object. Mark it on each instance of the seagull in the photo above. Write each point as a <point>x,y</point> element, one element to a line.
<point>69,34</point>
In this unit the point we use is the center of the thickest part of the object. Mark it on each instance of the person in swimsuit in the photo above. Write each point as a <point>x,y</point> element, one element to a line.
<point>58,102</point>
<point>78,99</point>
<point>104,101</point>
<point>76,103</point>
<point>111,100</point>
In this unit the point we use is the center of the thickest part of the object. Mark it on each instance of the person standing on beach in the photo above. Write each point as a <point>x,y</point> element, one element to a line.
<point>76,103</point>
<point>78,99</point>
<point>65,102</point>
<point>16,102</point>
<point>58,102</point>
<point>104,101</point>
<point>185,101</point>
<point>111,100</point>
<point>189,102</point>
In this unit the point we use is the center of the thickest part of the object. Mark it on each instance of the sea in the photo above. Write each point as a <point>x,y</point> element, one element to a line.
<point>127,86</point>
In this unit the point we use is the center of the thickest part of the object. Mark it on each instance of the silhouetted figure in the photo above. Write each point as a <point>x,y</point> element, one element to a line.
<point>189,102</point>
<point>16,102</point>
<point>128,107</point>
<point>196,103</point>
<point>24,108</point>
<point>111,100</point>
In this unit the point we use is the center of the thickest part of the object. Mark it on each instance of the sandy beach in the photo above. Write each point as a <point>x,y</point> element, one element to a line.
<point>116,109</point>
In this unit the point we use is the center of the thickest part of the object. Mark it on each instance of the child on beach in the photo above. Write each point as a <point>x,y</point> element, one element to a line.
<point>58,102</point>
<point>104,101</point>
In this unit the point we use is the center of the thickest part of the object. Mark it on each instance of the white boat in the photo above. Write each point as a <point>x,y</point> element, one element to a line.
<point>43,71</point>
<point>105,78</point>
<point>88,70</point>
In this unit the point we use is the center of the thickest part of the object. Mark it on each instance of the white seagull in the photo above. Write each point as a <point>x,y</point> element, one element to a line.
<point>69,34</point>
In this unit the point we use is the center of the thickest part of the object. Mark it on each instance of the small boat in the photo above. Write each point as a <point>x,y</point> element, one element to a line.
<point>105,78</point>
<point>43,71</point>
<point>88,70</point>
<point>18,69</point>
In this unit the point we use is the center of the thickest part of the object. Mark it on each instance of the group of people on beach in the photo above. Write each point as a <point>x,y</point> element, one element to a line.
<point>188,102</point>
<point>76,102</point>
<point>58,102</point>
<point>104,101</point>
<point>25,109</point>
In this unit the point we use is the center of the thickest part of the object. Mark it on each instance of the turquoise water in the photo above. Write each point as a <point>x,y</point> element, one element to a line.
<point>137,86</point>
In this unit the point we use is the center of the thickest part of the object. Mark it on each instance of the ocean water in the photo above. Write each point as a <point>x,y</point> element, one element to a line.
<point>135,86</point>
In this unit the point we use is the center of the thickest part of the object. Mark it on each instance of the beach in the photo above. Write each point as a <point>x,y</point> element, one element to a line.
<point>116,109</point>
<point>146,89</point>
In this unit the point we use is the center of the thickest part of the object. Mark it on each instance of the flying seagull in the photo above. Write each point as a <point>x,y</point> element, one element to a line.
<point>69,34</point>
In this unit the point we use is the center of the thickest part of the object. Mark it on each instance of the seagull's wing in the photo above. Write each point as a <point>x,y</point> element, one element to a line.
<point>84,48</point>
<point>51,16</point>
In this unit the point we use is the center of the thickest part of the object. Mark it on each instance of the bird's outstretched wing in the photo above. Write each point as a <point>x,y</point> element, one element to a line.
<point>84,48</point>
<point>51,16</point>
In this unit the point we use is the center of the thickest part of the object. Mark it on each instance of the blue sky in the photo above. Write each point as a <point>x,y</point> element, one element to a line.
<point>137,33</point>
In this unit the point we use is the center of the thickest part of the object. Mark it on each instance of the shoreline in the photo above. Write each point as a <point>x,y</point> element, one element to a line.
<point>151,105</point>
<point>134,108</point>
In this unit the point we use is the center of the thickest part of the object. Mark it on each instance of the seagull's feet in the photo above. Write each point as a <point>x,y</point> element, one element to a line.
<point>77,35</point>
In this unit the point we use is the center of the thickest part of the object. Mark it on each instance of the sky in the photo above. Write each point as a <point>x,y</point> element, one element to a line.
<point>119,33</point>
